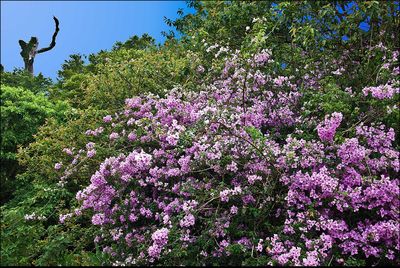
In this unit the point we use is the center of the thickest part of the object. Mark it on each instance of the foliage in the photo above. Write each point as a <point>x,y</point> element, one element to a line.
<point>30,238</point>
<point>73,66</point>
<point>136,42</point>
<point>22,78</point>
<point>268,134</point>
<point>110,77</point>
<point>22,113</point>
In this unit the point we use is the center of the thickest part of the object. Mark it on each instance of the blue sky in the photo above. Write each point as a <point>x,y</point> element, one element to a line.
<point>85,27</point>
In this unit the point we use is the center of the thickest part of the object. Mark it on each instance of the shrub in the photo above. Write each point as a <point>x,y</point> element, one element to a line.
<point>217,177</point>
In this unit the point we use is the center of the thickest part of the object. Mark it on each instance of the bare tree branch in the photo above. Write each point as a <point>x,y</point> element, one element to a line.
<point>53,40</point>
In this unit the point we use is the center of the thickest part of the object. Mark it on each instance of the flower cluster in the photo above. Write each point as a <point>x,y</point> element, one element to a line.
<point>160,239</point>
<point>382,91</point>
<point>327,130</point>
<point>33,217</point>
<point>219,166</point>
<point>332,201</point>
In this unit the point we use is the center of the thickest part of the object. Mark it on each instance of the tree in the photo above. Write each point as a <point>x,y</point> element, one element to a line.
<point>30,49</point>
<point>20,78</point>
<point>22,113</point>
<point>136,42</point>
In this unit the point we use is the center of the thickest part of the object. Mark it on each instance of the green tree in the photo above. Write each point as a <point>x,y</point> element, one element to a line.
<point>22,112</point>
<point>22,78</point>
<point>136,42</point>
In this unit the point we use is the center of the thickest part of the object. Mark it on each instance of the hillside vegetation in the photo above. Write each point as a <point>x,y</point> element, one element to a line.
<point>267,134</point>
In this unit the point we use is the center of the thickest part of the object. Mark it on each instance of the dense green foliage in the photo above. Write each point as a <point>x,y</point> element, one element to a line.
<point>20,78</point>
<point>22,113</point>
<point>310,42</point>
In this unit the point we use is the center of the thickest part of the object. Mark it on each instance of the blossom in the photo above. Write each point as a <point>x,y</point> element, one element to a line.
<point>91,153</point>
<point>98,219</point>
<point>311,259</point>
<point>224,195</point>
<point>234,210</point>
<point>381,92</point>
<point>351,152</point>
<point>253,178</point>
<point>232,167</point>
<point>57,166</point>
<point>90,145</point>
<point>262,57</point>
<point>67,151</point>
<point>62,218</point>
<point>200,69</point>
<point>154,251</point>
<point>327,129</point>
<point>200,157</point>
<point>160,236</point>
<point>132,136</point>
<point>107,118</point>
<point>187,221</point>
<point>259,247</point>
<point>114,136</point>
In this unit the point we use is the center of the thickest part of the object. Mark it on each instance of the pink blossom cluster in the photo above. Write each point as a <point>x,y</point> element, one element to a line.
<point>219,164</point>
<point>327,130</point>
<point>386,91</point>
<point>332,200</point>
<point>160,239</point>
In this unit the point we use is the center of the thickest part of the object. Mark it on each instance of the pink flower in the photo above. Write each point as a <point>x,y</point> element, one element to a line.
<point>187,221</point>
<point>114,136</point>
<point>253,178</point>
<point>327,129</point>
<point>132,136</point>
<point>67,151</point>
<point>200,69</point>
<point>57,166</point>
<point>107,118</point>
<point>234,210</point>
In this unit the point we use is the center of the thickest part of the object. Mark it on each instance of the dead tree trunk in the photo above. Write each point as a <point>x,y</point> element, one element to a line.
<point>29,50</point>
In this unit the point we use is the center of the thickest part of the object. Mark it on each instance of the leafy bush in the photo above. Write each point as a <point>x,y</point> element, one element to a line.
<point>22,113</point>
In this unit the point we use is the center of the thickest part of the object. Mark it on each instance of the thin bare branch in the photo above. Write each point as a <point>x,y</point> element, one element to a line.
<point>53,40</point>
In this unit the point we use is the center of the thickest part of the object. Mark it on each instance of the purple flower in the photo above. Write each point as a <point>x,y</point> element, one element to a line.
<point>132,136</point>
<point>234,210</point>
<point>91,153</point>
<point>327,129</point>
<point>201,155</point>
<point>98,219</point>
<point>187,221</point>
<point>200,69</point>
<point>57,166</point>
<point>114,136</point>
<point>107,119</point>
<point>67,151</point>
<point>90,145</point>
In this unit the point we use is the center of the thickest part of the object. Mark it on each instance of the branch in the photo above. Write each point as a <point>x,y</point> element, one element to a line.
<point>53,40</point>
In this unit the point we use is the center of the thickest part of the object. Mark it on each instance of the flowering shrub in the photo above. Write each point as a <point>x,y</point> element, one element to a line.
<point>220,173</point>
<point>286,155</point>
